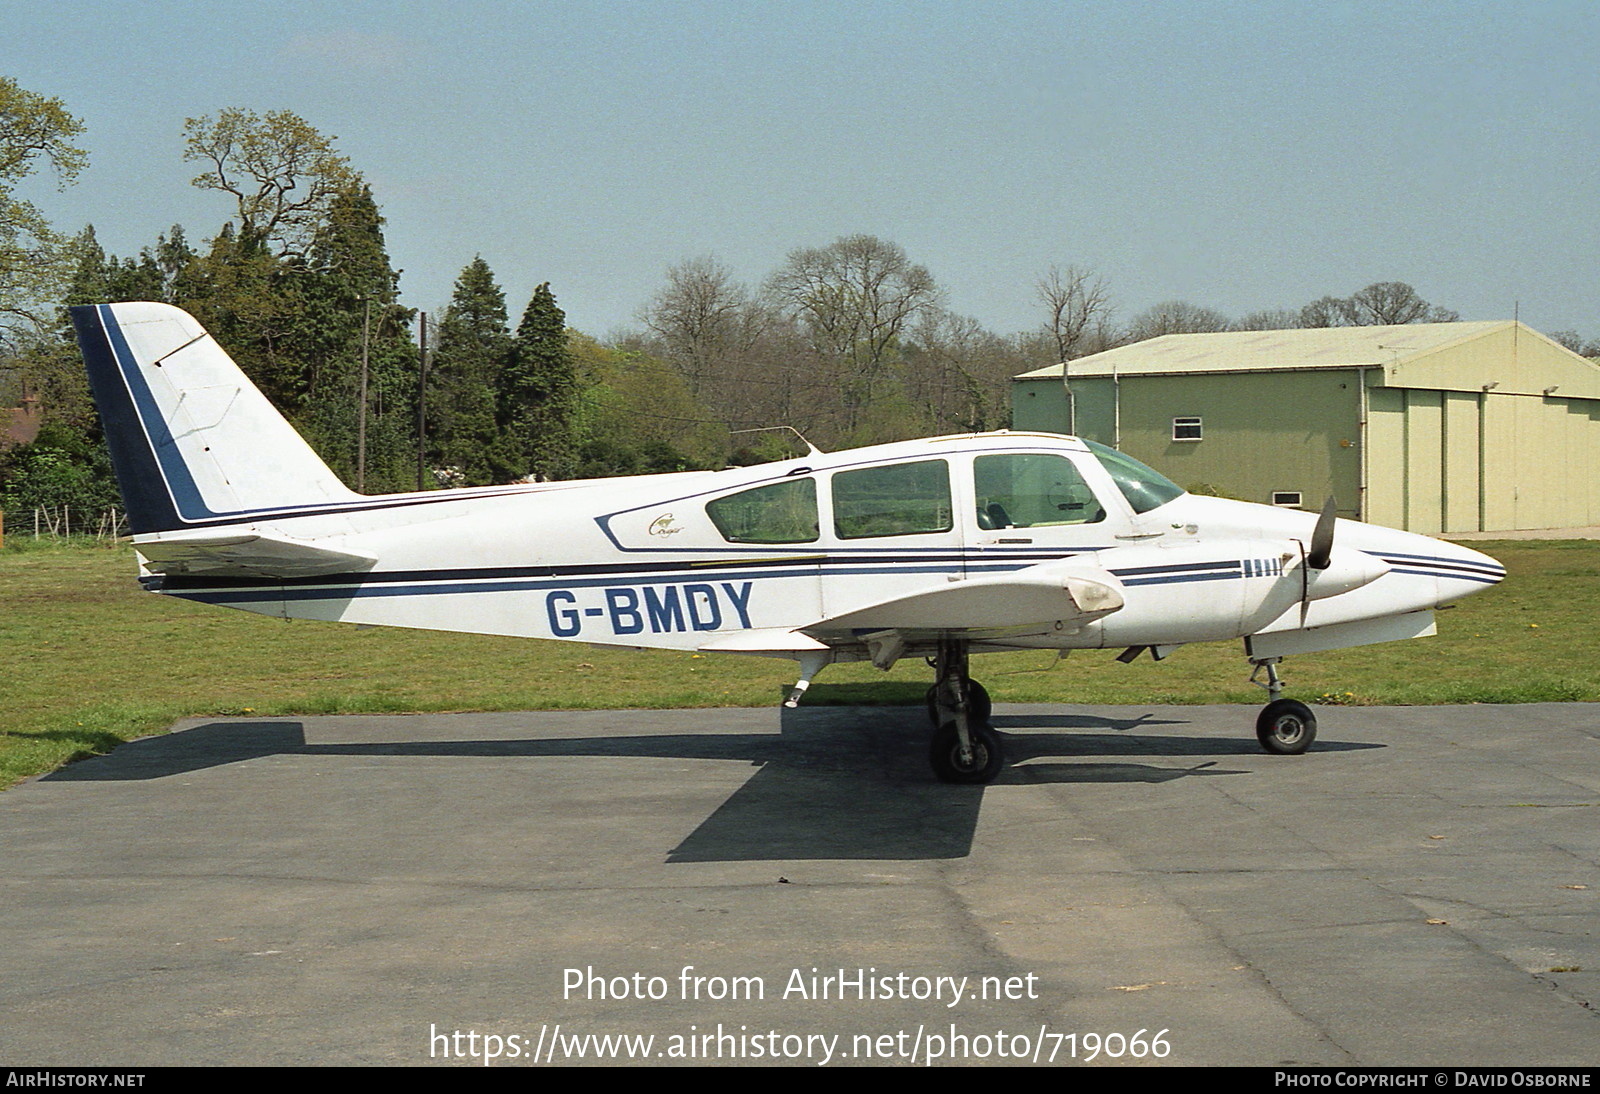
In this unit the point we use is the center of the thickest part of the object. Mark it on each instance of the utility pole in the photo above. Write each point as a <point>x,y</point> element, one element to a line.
<point>361,413</point>
<point>422,397</point>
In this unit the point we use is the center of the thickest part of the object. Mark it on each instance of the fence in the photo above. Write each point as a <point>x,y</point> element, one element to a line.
<point>62,521</point>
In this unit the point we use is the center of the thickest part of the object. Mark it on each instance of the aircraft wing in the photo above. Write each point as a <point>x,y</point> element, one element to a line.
<point>243,554</point>
<point>1037,596</point>
<point>765,640</point>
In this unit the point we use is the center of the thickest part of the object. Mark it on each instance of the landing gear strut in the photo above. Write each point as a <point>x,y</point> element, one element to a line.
<point>1285,727</point>
<point>965,747</point>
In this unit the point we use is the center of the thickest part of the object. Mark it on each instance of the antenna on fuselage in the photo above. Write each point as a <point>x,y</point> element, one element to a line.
<point>811,449</point>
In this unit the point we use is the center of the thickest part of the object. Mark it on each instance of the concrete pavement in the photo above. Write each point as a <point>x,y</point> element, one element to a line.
<point>1420,888</point>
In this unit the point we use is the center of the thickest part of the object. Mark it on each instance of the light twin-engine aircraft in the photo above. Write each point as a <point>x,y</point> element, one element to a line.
<point>934,548</point>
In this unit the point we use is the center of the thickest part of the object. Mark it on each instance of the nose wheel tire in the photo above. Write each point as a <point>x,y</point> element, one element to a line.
<point>1286,727</point>
<point>982,764</point>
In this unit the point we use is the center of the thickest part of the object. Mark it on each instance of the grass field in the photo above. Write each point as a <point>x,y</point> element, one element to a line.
<point>91,661</point>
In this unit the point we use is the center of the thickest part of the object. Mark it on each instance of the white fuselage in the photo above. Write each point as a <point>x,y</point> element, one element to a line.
<point>644,562</point>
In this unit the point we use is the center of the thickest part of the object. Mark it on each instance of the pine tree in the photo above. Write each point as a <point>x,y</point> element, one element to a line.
<point>463,429</point>
<point>349,300</point>
<point>99,278</point>
<point>537,392</point>
<point>179,267</point>
<point>90,283</point>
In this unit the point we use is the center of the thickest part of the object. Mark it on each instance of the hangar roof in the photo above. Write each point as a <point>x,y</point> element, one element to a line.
<point>1271,350</point>
<point>1500,353</point>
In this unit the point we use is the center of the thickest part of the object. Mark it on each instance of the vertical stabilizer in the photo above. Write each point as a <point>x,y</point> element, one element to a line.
<point>192,440</point>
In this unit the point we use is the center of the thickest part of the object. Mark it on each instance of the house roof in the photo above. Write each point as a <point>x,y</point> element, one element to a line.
<point>20,425</point>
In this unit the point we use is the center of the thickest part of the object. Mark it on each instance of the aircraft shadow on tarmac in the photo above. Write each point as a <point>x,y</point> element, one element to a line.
<point>834,782</point>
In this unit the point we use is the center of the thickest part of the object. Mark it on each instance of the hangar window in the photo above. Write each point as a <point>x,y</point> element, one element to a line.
<point>1290,498</point>
<point>901,499</point>
<point>1186,429</point>
<point>785,512</point>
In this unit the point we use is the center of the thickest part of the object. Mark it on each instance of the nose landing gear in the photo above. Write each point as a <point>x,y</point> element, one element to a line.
<point>1285,727</point>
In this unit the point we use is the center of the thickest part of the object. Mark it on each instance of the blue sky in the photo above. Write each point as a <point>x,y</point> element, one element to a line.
<point>1237,155</point>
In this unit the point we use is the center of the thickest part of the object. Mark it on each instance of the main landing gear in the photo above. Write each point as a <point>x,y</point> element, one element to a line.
<point>965,748</point>
<point>1285,727</point>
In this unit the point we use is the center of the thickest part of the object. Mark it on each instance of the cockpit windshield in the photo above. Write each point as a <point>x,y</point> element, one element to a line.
<point>1144,488</point>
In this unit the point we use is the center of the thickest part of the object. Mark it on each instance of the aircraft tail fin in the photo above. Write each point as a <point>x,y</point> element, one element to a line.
<point>193,441</point>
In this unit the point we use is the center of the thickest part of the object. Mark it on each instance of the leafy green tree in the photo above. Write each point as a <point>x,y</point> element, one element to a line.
<point>245,296</point>
<point>299,287</point>
<point>636,414</point>
<point>35,131</point>
<point>473,345</point>
<point>537,390</point>
<point>91,280</point>
<point>178,265</point>
<point>161,273</point>
<point>283,174</point>
<point>60,468</point>
<point>285,178</point>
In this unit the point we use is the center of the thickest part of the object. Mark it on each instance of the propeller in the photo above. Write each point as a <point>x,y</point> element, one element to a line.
<point>1322,577</point>
<point>1321,552</point>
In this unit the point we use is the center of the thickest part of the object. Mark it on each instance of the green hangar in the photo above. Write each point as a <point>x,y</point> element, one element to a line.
<point>1430,427</point>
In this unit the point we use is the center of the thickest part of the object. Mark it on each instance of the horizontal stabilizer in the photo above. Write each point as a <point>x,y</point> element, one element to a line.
<point>244,554</point>
<point>1001,602</point>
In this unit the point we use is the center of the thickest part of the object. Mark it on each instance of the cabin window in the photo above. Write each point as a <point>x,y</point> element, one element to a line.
<point>1286,497</point>
<point>903,499</point>
<point>1145,489</point>
<point>784,512</point>
<point>1031,490</point>
<point>1186,429</point>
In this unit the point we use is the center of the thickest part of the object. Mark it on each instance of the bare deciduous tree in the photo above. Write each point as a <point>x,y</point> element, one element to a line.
<point>958,373</point>
<point>1269,319</point>
<point>1385,303</point>
<point>703,318</point>
<point>1576,342</point>
<point>1381,304</point>
<point>1078,310</point>
<point>1176,317</point>
<point>854,297</point>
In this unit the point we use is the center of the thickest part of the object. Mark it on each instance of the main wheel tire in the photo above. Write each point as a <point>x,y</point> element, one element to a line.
<point>1286,727</point>
<point>979,705</point>
<point>988,758</point>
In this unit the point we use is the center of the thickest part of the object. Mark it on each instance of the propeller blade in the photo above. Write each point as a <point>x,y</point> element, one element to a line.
<point>1321,552</point>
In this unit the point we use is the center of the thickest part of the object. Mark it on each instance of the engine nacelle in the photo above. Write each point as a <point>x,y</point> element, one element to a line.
<point>1347,569</point>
